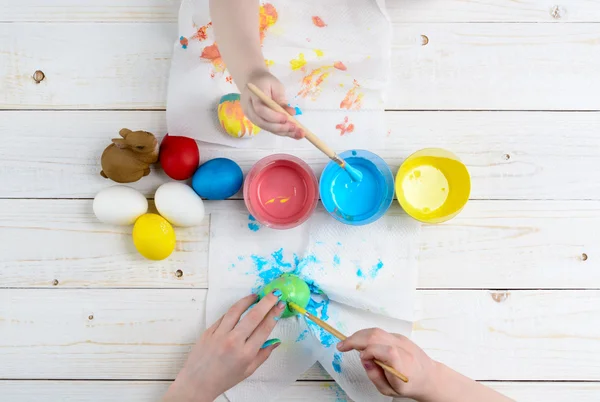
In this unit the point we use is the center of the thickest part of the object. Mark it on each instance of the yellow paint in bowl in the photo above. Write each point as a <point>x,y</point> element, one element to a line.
<point>433,185</point>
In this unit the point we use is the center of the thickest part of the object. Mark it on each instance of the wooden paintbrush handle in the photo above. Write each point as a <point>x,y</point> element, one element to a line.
<point>342,337</point>
<point>316,141</point>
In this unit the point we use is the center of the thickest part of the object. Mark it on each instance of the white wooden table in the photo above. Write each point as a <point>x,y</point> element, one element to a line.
<point>509,291</point>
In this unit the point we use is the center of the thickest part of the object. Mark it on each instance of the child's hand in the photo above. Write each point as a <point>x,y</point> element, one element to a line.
<point>228,352</point>
<point>260,114</point>
<point>396,351</point>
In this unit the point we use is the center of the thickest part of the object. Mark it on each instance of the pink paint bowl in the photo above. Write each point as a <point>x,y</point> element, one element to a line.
<point>281,191</point>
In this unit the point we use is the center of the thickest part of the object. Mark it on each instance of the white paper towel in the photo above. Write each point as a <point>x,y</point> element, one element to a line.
<point>349,56</point>
<point>368,273</point>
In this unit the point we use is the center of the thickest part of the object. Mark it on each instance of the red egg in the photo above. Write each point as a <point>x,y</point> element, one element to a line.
<point>179,157</point>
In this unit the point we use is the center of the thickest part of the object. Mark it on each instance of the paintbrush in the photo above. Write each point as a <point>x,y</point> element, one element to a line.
<point>354,173</point>
<point>343,337</point>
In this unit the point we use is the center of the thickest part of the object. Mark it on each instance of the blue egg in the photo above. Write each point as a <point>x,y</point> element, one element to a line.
<point>218,179</point>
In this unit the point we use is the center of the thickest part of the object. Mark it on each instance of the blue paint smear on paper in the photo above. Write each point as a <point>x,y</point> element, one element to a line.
<point>337,362</point>
<point>269,268</point>
<point>253,225</point>
<point>302,336</point>
<point>375,269</point>
<point>360,273</point>
<point>336,261</point>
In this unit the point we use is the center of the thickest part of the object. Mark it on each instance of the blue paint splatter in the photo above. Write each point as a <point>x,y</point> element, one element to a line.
<point>339,244</point>
<point>302,336</point>
<point>374,271</point>
<point>320,309</point>
<point>278,257</point>
<point>336,260</point>
<point>297,110</point>
<point>360,273</point>
<point>241,258</point>
<point>337,362</point>
<point>253,225</point>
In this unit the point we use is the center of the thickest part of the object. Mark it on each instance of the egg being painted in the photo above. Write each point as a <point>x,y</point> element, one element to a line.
<point>232,117</point>
<point>119,205</point>
<point>153,237</point>
<point>218,179</point>
<point>293,289</point>
<point>179,204</point>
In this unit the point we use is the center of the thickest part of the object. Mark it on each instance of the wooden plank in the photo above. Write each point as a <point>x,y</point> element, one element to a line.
<point>144,391</point>
<point>146,334</point>
<point>511,155</point>
<point>493,245</point>
<point>400,10</point>
<point>488,66</point>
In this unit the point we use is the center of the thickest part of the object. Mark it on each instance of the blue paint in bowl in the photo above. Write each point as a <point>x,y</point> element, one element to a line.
<point>357,203</point>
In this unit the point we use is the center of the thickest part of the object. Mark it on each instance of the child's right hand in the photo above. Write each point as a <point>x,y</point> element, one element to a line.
<point>260,114</point>
<point>399,352</point>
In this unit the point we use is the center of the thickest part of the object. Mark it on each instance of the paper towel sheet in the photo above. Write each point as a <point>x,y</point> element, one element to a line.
<point>335,70</point>
<point>368,274</point>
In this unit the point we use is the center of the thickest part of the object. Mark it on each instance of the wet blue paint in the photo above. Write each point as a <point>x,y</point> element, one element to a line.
<point>270,342</point>
<point>336,260</point>
<point>353,202</point>
<point>354,173</point>
<point>360,273</point>
<point>298,111</point>
<point>337,362</point>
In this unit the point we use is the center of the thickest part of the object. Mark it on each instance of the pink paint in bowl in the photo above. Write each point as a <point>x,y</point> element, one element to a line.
<point>281,191</point>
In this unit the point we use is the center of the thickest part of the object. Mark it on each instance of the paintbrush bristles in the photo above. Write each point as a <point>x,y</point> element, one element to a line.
<point>342,337</point>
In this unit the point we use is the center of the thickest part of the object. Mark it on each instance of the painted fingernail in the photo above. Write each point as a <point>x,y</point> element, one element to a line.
<point>281,305</point>
<point>368,366</point>
<point>277,293</point>
<point>270,342</point>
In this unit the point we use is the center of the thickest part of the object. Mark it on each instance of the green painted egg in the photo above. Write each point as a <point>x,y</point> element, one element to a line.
<point>293,289</point>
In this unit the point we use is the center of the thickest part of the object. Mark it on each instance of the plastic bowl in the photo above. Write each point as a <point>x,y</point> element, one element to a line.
<point>357,203</point>
<point>281,191</point>
<point>433,185</point>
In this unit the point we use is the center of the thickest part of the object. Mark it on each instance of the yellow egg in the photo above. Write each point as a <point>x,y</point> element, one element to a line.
<point>232,117</point>
<point>153,237</point>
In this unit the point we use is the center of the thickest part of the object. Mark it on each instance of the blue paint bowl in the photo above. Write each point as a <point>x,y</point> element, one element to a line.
<point>357,203</point>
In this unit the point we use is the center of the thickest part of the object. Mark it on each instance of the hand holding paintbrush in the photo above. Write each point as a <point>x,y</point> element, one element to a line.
<point>343,337</point>
<point>355,174</point>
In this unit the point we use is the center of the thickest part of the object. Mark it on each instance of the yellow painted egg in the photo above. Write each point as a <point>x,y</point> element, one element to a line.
<point>153,237</point>
<point>232,118</point>
<point>433,185</point>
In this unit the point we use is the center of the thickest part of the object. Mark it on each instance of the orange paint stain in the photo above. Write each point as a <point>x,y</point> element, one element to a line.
<point>229,79</point>
<point>213,54</point>
<point>345,127</point>
<point>267,17</point>
<point>353,98</point>
<point>318,22</point>
<point>201,33</point>
<point>340,66</point>
<point>311,84</point>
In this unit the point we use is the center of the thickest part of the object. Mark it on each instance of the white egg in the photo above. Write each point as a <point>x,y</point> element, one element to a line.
<point>119,205</point>
<point>179,204</point>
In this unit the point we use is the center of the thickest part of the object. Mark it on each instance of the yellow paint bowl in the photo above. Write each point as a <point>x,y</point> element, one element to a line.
<point>433,185</point>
